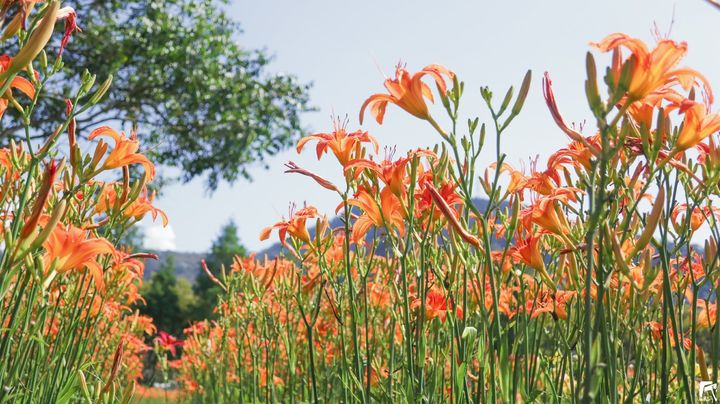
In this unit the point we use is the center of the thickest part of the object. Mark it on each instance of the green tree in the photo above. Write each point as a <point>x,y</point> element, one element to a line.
<point>223,250</point>
<point>201,102</point>
<point>169,301</point>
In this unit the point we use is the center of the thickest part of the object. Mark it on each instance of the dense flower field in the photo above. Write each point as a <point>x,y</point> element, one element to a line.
<point>591,276</point>
<point>579,279</point>
<point>67,333</point>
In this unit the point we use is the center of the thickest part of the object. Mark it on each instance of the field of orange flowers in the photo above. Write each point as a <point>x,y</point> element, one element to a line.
<point>580,279</point>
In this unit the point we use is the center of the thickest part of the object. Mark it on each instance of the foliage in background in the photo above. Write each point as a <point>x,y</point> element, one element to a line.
<point>169,300</point>
<point>203,103</point>
<point>222,253</point>
<point>173,302</point>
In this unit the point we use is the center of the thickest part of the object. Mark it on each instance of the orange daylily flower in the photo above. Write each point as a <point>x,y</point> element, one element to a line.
<point>70,248</point>
<point>546,214</point>
<point>527,251</point>
<point>125,151</point>
<point>424,198</point>
<point>379,295</point>
<point>552,302</point>
<point>344,145</point>
<point>698,125</point>
<point>295,226</point>
<point>408,92</point>
<point>277,381</point>
<point>436,306</point>
<point>697,216</point>
<point>506,297</point>
<point>137,209</point>
<point>142,205</point>
<point>393,173</point>
<point>19,83</point>
<point>389,212</point>
<point>643,111</point>
<point>651,70</point>
<point>517,180</point>
<point>576,154</point>
<point>707,315</point>
<point>656,330</point>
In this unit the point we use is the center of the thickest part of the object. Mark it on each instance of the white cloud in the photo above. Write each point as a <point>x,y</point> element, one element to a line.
<point>158,237</point>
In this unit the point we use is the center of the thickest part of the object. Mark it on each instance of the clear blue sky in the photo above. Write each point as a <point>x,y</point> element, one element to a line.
<point>346,50</point>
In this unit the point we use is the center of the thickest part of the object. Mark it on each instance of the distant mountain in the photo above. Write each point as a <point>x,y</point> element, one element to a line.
<point>275,249</point>
<point>187,264</point>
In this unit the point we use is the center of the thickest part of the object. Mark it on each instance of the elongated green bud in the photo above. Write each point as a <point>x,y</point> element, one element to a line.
<point>522,95</point>
<point>617,250</point>
<point>84,386</point>
<point>36,43</point>
<point>652,222</point>
<point>591,87</point>
<point>128,393</point>
<point>506,100</point>
<point>101,91</point>
<point>58,213</point>
<point>43,194</point>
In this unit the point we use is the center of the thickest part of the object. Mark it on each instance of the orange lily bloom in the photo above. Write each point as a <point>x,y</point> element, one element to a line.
<point>527,251</point>
<point>643,111</point>
<point>517,180</point>
<point>656,330</point>
<point>697,126</point>
<point>295,226</point>
<point>436,306</point>
<point>391,213</point>
<point>19,83</point>
<point>142,205</point>
<point>393,173</point>
<point>343,144</point>
<point>576,154</point>
<point>551,302</point>
<point>546,214</point>
<point>408,92</point>
<point>137,209</point>
<point>697,217</point>
<point>424,199</point>
<point>506,298</point>
<point>707,315</point>
<point>125,151</point>
<point>69,248</point>
<point>654,69</point>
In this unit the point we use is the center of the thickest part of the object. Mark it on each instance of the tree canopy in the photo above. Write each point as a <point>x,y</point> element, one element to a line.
<point>202,103</point>
<point>223,250</point>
